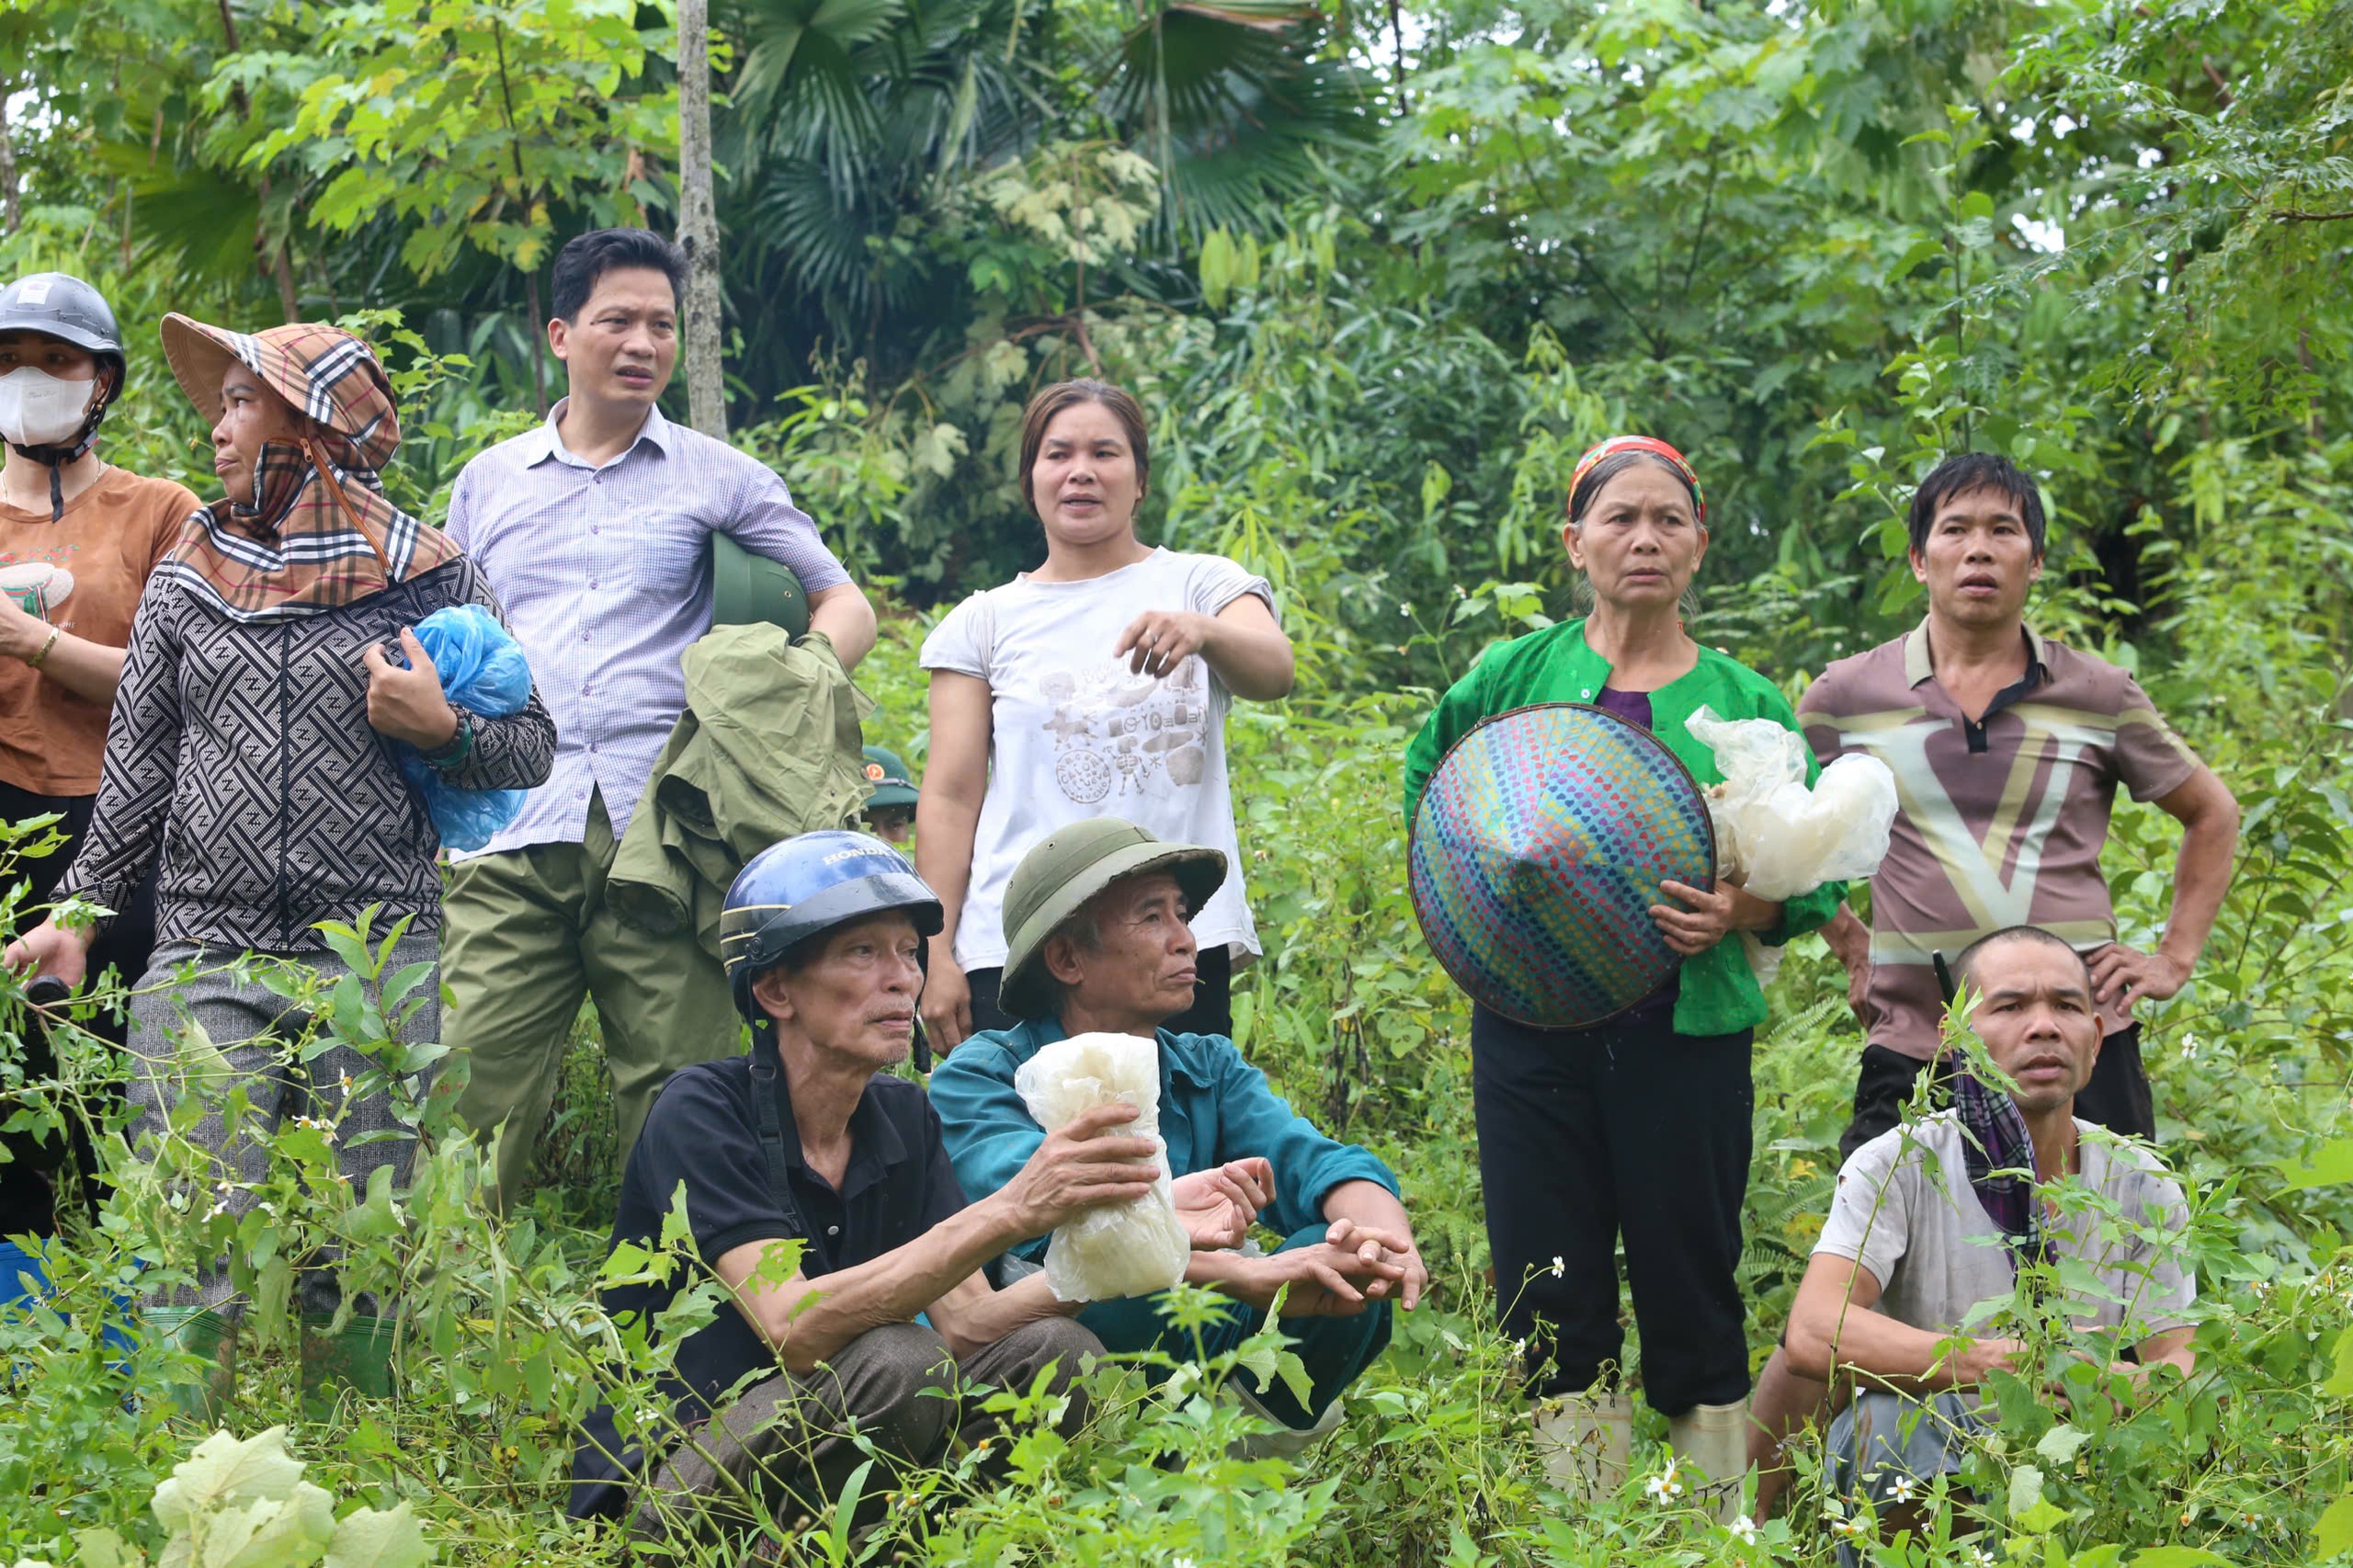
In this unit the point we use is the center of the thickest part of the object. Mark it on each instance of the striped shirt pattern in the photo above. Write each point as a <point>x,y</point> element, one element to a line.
<point>605,572</point>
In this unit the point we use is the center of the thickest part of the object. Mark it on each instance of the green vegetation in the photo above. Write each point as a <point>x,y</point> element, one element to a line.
<point>1381,277</point>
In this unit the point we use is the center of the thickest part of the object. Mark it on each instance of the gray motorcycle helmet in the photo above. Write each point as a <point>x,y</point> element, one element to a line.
<point>62,306</point>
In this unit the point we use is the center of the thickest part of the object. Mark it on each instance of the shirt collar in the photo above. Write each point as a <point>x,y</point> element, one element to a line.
<point>1919,664</point>
<point>1180,1054</point>
<point>545,443</point>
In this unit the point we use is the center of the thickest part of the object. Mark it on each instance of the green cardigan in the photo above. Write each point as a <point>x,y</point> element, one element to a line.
<point>1719,993</point>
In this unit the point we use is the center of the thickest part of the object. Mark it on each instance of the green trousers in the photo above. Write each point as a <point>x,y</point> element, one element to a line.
<point>528,936</point>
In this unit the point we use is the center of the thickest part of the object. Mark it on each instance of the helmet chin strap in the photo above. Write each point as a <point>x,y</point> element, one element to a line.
<point>55,459</point>
<point>56,456</point>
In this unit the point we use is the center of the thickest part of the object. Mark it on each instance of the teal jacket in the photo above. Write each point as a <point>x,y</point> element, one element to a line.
<point>1719,993</point>
<point>1214,1106</point>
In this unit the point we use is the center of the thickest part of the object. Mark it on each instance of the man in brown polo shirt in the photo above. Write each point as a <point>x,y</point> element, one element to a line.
<point>2007,749</point>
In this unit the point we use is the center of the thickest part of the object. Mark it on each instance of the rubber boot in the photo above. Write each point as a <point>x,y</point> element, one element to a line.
<point>1587,1442</point>
<point>1286,1440</point>
<point>1714,1440</point>
<point>357,1358</point>
<point>205,1333</point>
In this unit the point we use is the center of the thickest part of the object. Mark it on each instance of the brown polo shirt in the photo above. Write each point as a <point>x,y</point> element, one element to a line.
<point>1999,822</point>
<point>112,537</point>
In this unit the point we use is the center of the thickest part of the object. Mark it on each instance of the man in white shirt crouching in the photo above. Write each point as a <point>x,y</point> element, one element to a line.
<point>1935,1217</point>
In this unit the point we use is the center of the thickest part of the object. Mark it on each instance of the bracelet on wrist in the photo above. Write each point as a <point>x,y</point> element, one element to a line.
<point>41,658</point>
<point>457,748</point>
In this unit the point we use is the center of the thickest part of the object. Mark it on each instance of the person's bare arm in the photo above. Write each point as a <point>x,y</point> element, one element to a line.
<point>2170,1349</point>
<point>843,614</point>
<point>1850,941</point>
<point>2209,815</point>
<point>948,817</point>
<point>1241,643</point>
<point>89,670</point>
<point>1080,1165</point>
<point>972,1316</point>
<point>1833,1329</point>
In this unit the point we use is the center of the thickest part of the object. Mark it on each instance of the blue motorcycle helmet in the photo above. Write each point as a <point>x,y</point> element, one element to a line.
<point>804,886</point>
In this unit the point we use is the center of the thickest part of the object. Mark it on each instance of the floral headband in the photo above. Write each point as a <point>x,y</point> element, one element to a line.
<point>1655,447</point>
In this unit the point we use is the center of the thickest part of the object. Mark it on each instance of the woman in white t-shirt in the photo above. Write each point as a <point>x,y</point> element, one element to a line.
<point>1095,686</point>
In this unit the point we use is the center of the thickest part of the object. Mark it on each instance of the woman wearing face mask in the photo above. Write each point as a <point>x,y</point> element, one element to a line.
<point>78,540</point>
<point>1095,686</point>
<point>252,756</point>
<point>1639,1126</point>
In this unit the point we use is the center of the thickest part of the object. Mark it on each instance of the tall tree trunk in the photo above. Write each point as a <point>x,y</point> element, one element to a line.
<point>523,194</point>
<point>12,211</point>
<point>699,226</point>
<point>281,267</point>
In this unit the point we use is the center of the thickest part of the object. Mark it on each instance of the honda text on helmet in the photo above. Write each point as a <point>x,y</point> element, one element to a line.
<point>803,888</point>
<point>52,419</point>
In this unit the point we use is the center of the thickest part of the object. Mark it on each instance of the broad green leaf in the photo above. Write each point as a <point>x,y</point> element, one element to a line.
<point>223,1470</point>
<point>372,1537</point>
<point>2333,1533</point>
<point>2058,1444</point>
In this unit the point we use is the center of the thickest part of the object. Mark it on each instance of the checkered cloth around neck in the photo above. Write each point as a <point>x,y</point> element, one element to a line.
<point>1999,1151</point>
<point>318,533</point>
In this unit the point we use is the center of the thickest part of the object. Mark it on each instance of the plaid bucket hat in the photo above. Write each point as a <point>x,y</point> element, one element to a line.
<point>329,537</point>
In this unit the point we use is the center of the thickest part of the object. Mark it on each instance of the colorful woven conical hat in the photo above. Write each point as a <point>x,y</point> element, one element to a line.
<point>1537,852</point>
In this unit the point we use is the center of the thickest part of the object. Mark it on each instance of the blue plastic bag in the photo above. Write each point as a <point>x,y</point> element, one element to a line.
<point>483,670</point>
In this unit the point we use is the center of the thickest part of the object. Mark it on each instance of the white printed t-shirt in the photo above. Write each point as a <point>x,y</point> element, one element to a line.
<point>1075,735</point>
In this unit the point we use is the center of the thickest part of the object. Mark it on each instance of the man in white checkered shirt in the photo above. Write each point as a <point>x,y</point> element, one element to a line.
<point>594,529</point>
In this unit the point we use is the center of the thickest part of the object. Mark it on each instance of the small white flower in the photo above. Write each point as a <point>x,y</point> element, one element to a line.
<point>1745,1528</point>
<point>1520,1347</point>
<point>1981,1557</point>
<point>1663,1486</point>
<point>216,1211</point>
<point>1902,1490</point>
<point>1406,611</point>
<point>1847,1527</point>
<point>1559,1268</point>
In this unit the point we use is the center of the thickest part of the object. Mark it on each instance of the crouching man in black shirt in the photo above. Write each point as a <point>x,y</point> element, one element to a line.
<point>807,1141</point>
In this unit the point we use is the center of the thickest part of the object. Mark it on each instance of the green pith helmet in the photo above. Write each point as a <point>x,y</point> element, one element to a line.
<point>894,786</point>
<point>1068,866</point>
<point>746,589</point>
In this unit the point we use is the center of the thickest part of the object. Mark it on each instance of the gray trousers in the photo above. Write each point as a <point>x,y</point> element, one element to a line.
<point>789,1445</point>
<point>253,1029</point>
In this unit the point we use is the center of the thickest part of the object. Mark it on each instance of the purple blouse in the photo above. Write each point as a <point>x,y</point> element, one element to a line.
<point>1657,1009</point>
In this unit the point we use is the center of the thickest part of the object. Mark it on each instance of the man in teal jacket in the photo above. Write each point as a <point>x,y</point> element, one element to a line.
<point>1096,916</point>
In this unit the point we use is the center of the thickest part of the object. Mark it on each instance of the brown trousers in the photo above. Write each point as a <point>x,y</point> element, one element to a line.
<point>788,1447</point>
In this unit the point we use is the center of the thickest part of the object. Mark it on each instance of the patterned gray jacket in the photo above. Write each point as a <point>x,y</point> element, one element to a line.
<point>242,751</point>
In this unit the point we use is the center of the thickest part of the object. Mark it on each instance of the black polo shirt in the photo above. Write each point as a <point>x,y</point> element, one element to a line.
<point>704,1132</point>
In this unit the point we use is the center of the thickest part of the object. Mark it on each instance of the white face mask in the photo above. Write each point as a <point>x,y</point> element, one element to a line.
<point>39,410</point>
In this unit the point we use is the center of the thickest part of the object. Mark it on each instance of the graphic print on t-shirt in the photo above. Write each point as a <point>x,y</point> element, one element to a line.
<point>1117,733</point>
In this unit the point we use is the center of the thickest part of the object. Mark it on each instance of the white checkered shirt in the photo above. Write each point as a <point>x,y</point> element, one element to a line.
<point>605,577</point>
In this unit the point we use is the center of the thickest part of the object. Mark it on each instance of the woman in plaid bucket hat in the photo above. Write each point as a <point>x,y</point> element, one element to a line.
<point>251,756</point>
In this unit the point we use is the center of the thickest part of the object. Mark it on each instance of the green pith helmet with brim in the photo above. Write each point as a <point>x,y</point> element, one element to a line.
<point>746,589</point>
<point>894,786</point>
<point>1068,866</point>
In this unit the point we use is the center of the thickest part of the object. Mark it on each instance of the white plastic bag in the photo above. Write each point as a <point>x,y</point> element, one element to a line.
<point>1775,837</point>
<point>1125,1249</point>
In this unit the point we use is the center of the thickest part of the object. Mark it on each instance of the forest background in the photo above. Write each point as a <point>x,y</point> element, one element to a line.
<point>1379,275</point>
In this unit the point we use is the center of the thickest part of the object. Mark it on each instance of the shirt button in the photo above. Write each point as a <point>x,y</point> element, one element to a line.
<point>1586,692</point>
<point>592,581</point>
<point>595,527</point>
<point>584,637</point>
<point>592,745</point>
<point>833,1230</point>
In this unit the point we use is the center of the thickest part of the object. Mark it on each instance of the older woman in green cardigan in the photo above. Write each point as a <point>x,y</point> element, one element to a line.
<point>1638,1127</point>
